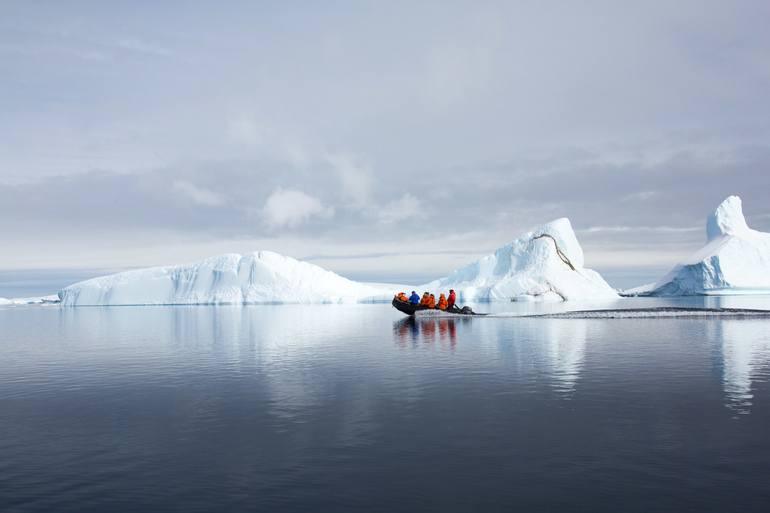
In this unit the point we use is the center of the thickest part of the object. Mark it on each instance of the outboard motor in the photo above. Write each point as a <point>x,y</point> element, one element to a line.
<point>466,310</point>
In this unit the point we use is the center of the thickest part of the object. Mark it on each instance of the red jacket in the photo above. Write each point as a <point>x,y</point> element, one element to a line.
<point>451,299</point>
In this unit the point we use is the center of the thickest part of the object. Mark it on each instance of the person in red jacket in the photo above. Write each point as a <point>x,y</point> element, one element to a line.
<point>450,301</point>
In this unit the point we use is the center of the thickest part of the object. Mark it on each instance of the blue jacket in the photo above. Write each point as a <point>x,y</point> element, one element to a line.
<point>414,299</point>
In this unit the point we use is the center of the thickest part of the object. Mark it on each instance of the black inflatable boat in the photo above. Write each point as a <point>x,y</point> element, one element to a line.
<point>410,309</point>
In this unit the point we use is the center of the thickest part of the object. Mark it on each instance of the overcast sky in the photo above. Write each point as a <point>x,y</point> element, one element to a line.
<point>379,139</point>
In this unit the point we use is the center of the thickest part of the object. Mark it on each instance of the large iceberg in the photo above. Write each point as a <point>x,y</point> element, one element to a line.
<point>543,264</point>
<point>261,277</point>
<point>735,259</point>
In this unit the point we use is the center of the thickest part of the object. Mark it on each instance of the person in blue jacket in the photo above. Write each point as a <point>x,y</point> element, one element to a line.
<point>414,298</point>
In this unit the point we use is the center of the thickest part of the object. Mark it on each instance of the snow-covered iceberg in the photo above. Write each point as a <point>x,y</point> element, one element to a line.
<point>261,277</point>
<point>543,264</point>
<point>735,260</point>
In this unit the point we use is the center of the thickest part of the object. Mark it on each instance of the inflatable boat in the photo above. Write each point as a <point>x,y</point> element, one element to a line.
<point>410,309</point>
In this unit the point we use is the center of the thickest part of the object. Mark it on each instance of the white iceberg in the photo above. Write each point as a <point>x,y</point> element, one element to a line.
<point>261,277</point>
<point>545,264</point>
<point>735,260</point>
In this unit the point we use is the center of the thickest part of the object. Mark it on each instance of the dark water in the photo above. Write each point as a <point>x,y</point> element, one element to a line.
<point>327,408</point>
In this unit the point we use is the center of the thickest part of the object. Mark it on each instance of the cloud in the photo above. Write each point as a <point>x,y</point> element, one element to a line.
<point>143,47</point>
<point>242,129</point>
<point>354,175</point>
<point>501,117</point>
<point>403,208</point>
<point>661,229</point>
<point>198,194</point>
<point>290,208</point>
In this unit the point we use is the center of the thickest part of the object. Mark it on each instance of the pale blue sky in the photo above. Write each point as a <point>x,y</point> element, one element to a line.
<point>375,136</point>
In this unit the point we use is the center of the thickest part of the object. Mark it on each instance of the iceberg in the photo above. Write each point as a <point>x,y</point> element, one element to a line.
<point>544,264</point>
<point>735,260</point>
<point>260,277</point>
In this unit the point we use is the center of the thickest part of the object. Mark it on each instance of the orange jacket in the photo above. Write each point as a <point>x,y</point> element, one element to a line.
<point>402,297</point>
<point>425,299</point>
<point>432,301</point>
<point>442,304</point>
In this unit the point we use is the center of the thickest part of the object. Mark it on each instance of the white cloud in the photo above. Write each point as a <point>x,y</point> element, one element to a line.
<point>654,229</point>
<point>290,208</point>
<point>398,210</point>
<point>244,130</point>
<point>199,195</point>
<point>355,177</point>
<point>137,45</point>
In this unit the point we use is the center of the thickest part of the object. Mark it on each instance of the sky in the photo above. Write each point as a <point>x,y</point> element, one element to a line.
<point>382,140</point>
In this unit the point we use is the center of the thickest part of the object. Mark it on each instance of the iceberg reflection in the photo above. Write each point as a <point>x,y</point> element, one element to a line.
<point>557,348</point>
<point>745,360</point>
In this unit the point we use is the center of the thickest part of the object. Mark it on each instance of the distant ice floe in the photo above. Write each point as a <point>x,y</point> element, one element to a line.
<point>28,300</point>
<point>654,313</point>
<point>735,260</point>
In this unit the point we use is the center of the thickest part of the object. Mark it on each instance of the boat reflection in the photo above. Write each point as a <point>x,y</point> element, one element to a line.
<point>534,349</point>
<point>428,331</point>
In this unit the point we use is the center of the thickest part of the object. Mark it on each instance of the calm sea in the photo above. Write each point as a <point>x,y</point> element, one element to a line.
<point>355,408</point>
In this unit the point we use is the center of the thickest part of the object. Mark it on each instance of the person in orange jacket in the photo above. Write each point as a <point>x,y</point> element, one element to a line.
<point>451,300</point>
<point>432,301</point>
<point>442,303</point>
<point>402,297</point>
<point>425,299</point>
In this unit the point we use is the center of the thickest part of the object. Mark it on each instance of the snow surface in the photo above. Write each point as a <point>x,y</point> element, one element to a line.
<point>261,277</point>
<point>735,259</point>
<point>529,269</point>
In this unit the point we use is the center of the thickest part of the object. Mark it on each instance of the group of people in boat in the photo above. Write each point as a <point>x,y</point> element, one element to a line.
<point>429,300</point>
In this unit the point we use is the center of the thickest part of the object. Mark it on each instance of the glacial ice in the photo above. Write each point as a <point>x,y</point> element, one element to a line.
<point>735,260</point>
<point>261,277</point>
<point>530,268</point>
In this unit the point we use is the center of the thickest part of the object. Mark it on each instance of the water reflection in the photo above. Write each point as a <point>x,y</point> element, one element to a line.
<point>556,349</point>
<point>745,355</point>
<point>280,343</point>
<point>411,331</point>
<point>566,349</point>
<point>535,349</point>
<point>284,407</point>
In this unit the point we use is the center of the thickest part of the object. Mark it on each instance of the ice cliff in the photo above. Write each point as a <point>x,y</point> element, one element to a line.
<point>261,277</point>
<point>543,264</point>
<point>735,259</point>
